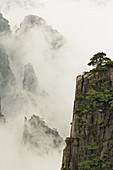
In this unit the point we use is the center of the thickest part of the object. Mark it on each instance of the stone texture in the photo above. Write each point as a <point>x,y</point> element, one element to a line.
<point>6,75</point>
<point>102,133</point>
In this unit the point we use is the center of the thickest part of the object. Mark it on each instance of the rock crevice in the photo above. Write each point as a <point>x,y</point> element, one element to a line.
<point>90,145</point>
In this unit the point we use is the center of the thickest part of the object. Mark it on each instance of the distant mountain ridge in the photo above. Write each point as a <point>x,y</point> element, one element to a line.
<point>27,97</point>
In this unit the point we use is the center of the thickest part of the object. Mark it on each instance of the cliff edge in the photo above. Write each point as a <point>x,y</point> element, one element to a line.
<point>90,145</point>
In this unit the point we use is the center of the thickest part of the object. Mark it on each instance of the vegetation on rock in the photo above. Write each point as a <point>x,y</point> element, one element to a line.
<point>95,99</point>
<point>100,62</point>
<point>93,128</point>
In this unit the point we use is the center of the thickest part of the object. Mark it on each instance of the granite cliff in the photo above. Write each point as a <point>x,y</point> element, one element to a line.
<point>90,145</point>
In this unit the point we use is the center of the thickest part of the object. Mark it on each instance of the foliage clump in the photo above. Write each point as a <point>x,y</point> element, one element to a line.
<point>97,99</point>
<point>99,59</point>
<point>94,100</point>
<point>100,62</point>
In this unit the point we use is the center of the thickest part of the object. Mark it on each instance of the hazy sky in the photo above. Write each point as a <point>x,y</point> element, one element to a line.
<point>87,24</point>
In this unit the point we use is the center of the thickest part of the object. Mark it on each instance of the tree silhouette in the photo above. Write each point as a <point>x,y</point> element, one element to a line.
<point>99,59</point>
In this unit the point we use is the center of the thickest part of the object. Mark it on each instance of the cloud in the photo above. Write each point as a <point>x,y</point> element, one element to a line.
<point>103,2</point>
<point>99,2</point>
<point>14,156</point>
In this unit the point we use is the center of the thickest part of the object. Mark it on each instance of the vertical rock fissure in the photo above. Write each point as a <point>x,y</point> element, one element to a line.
<point>82,83</point>
<point>90,145</point>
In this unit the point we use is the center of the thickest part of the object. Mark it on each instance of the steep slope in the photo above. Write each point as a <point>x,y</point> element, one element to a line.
<point>6,75</point>
<point>90,145</point>
<point>39,137</point>
<point>30,82</point>
<point>4,25</point>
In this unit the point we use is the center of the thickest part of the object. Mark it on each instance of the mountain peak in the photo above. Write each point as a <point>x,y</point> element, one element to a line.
<point>30,82</point>
<point>33,19</point>
<point>50,36</point>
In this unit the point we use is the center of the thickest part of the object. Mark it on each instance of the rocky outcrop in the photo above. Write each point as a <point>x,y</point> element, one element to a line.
<point>39,137</point>
<point>4,25</point>
<point>30,82</point>
<point>90,145</point>
<point>47,34</point>
<point>6,75</point>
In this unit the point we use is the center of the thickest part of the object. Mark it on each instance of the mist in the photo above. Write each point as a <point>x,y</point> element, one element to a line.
<point>14,156</point>
<point>84,28</point>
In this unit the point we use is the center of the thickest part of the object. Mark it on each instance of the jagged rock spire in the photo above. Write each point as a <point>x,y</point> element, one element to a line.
<point>30,82</point>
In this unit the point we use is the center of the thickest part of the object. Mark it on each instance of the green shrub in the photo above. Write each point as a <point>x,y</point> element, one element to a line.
<point>102,123</point>
<point>109,63</point>
<point>93,146</point>
<point>111,136</point>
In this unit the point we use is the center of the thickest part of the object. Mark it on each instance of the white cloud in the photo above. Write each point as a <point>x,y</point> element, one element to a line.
<point>15,157</point>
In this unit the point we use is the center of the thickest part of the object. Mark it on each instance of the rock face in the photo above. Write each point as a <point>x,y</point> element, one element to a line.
<point>30,82</point>
<point>6,75</point>
<point>90,145</point>
<point>4,25</point>
<point>38,136</point>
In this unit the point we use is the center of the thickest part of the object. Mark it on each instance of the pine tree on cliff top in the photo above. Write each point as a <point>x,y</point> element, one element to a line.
<point>99,59</point>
